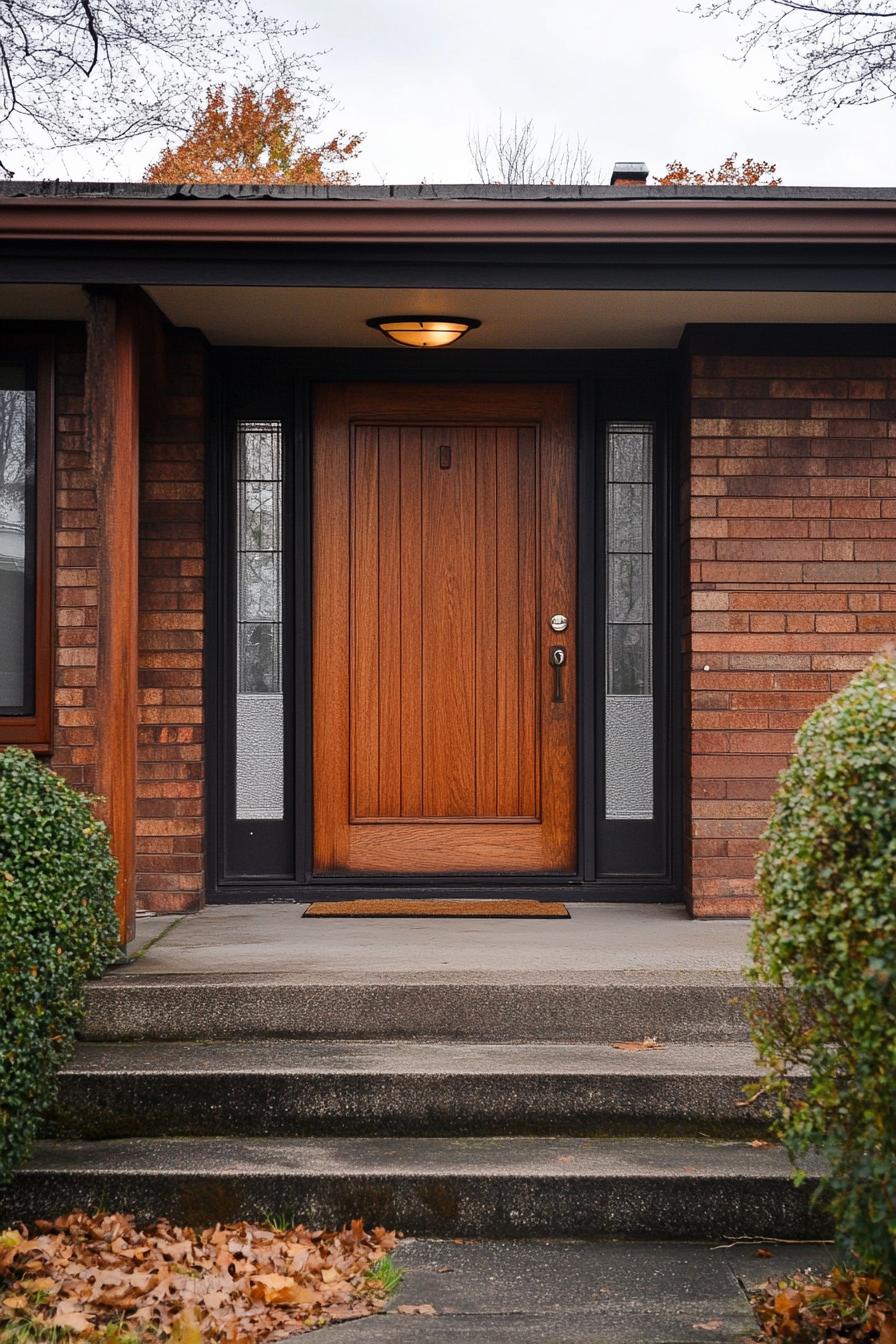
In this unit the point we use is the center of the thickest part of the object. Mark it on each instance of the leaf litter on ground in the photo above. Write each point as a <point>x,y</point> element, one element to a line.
<point>648,1043</point>
<point>843,1307</point>
<point>234,1283</point>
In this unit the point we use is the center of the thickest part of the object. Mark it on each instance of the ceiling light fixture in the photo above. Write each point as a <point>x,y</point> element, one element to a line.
<point>424,333</point>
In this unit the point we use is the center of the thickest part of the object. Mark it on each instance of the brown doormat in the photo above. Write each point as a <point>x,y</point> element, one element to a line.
<point>441,909</point>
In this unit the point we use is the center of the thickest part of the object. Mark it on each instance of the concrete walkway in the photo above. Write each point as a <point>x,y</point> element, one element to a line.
<point>598,943</point>
<point>577,1292</point>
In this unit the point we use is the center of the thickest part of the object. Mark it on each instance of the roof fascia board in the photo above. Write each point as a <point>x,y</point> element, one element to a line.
<point>448,222</point>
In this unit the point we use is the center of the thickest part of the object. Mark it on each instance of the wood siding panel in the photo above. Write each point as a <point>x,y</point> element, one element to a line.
<point>112,417</point>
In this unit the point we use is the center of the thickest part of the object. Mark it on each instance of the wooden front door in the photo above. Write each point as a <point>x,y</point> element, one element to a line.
<point>444,541</point>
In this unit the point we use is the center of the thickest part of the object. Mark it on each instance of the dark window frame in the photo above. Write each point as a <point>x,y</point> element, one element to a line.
<point>35,730</point>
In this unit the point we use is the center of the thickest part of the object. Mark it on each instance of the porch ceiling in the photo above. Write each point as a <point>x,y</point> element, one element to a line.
<point>511,319</point>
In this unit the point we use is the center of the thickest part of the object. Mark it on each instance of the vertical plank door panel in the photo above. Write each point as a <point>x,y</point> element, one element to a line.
<point>444,540</point>
<point>449,779</point>
<point>364,623</point>
<point>389,617</point>
<point>411,590</point>
<point>486,622</point>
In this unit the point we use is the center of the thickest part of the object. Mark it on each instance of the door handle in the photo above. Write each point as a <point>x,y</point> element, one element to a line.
<point>557,659</point>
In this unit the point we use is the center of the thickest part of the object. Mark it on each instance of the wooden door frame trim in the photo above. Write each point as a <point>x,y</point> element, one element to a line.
<point>290,374</point>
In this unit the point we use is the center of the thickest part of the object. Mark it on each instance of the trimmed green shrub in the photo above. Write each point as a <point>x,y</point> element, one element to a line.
<point>827,934</point>
<point>57,928</point>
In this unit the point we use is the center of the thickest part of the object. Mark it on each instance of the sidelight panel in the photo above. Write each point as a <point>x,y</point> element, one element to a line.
<point>259,621</point>
<point>629,689</point>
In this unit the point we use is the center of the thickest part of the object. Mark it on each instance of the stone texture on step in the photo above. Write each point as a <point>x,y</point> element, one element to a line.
<point>660,1188</point>
<point>576,1292</point>
<point>676,1006</point>
<point>398,1087</point>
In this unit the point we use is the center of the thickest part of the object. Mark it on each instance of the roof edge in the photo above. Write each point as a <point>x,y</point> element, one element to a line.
<point>616,217</point>
<point>423,192</point>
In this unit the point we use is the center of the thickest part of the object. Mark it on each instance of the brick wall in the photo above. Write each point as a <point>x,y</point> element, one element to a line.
<point>791,532</point>
<point>75,577</point>
<point>170,786</point>
<point>170,827</point>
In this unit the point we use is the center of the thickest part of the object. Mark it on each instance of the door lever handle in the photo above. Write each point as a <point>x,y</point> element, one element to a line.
<point>557,659</point>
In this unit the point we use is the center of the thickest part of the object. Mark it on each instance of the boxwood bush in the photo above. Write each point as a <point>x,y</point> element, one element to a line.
<point>57,928</point>
<point>827,934</point>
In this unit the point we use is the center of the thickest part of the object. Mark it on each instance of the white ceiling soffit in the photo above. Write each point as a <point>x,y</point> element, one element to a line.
<point>511,319</point>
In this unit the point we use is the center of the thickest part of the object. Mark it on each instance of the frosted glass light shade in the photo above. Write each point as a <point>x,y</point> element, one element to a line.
<point>424,333</point>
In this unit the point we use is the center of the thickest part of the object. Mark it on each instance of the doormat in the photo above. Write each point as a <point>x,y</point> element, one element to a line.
<point>439,909</point>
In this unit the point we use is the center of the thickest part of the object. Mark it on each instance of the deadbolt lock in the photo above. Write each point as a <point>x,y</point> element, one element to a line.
<point>559,622</point>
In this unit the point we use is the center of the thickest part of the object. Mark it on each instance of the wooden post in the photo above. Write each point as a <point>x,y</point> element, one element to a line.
<point>112,429</point>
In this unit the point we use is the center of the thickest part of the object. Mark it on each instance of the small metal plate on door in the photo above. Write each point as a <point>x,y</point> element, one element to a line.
<point>559,622</point>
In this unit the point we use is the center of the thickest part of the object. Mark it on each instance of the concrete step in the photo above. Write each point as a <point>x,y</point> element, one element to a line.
<point>653,1188</point>
<point>685,1006</point>
<point>297,1088</point>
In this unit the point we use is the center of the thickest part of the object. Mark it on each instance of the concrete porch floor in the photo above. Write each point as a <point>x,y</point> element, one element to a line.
<point>597,945</point>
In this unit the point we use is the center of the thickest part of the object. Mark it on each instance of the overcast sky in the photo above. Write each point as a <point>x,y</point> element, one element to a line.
<point>635,79</point>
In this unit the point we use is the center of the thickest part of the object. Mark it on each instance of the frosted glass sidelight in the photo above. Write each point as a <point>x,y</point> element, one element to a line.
<point>259,621</point>
<point>629,758</point>
<point>629,628</point>
<point>259,757</point>
<point>17,467</point>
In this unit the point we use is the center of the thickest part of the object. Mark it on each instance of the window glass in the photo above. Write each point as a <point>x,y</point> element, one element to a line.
<point>17,539</point>
<point>629,632</point>
<point>259,621</point>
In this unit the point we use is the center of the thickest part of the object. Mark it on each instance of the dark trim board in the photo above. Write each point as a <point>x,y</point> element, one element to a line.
<point>392,364</point>
<point>816,267</point>
<point>277,383</point>
<point>639,893</point>
<point>838,339</point>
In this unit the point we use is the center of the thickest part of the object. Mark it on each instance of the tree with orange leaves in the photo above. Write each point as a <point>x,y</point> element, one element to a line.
<point>256,137</point>
<point>730,173</point>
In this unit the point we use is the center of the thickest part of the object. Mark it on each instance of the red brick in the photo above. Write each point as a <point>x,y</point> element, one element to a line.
<point>809,497</point>
<point>170,615</point>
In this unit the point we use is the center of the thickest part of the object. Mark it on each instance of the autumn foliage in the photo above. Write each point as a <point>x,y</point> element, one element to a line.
<point>104,1281</point>
<point>730,173</point>
<point>254,138</point>
<point>843,1307</point>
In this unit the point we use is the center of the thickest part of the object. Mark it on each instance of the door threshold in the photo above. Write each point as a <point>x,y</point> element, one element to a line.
<point>573,890</point>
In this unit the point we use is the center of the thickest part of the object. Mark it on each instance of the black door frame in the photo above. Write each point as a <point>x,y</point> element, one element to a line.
<point>276,384</point>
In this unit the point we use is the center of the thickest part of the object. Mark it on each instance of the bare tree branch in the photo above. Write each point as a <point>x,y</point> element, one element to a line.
<point>512,154</point>
<point>829,54</point>
<point>81,73</point>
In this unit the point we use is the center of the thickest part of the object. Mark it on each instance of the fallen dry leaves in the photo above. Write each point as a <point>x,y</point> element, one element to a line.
<point>843,1307</point>
<point>230,1284</point>
<point>648,1043</point>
